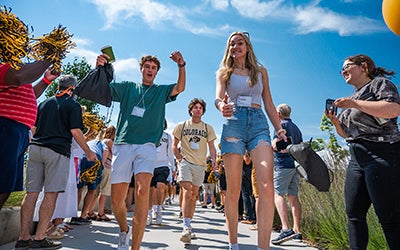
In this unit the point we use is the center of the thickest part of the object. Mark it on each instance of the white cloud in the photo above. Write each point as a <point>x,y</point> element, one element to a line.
<point>126,69</point>
<point>306,19</point>
<point>151,12</point>
<point>219,4</point>
<point>255,9</point>
<point>314,19</point>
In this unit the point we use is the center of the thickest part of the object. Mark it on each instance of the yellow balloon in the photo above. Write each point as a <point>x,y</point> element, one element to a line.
<point>391,15</point>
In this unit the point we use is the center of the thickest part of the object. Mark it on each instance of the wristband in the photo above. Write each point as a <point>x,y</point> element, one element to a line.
<point>217,102</point>
<point>281,131</point>
<point>47,81</point>
<point>182,65</point>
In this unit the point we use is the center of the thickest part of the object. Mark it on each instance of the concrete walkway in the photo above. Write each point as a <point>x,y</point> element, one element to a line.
<point>208,225</point>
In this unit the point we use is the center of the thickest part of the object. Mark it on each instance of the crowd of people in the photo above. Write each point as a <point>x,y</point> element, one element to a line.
<point>136,160</point>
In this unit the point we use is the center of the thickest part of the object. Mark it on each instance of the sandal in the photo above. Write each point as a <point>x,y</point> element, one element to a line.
<point>103,217</point>
<point>92,216</point>
<point>58,233</point>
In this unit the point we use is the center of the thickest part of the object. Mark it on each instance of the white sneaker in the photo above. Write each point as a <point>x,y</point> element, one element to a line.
<point>124,237</point>
<point>149,219</point>
<point>158,218</point>
<point>186,236</point>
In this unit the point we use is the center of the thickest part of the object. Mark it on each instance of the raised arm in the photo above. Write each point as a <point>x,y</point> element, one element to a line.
<point>177,57</point>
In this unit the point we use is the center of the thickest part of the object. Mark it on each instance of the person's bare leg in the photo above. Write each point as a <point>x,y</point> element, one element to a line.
<point>233,172</point>
<point>195,191</point>
<point>102,204</point>
<point>118,195</point>
<point>263,161</point>
<point>160,193</point>
<point>142,191</point>
<point>281,207</point>
<point>27,210</point>
<point>46,211</point>
<point>296,212</point>
<point>89,197</point>
<point>187,197</point>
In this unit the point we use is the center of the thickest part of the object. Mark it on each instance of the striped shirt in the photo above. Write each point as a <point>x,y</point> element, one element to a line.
<point>17,103</point>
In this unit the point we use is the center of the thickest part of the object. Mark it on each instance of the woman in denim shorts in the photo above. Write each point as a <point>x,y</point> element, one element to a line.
<point>242,88</point>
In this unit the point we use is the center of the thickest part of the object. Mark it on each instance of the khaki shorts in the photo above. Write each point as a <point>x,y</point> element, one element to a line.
<point>105,184</point>
<point>191,173</point>
<point>51,177</point>
<point>254,182</point>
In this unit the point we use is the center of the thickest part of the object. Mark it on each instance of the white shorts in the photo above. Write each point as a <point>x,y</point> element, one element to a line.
<point>131,159</point>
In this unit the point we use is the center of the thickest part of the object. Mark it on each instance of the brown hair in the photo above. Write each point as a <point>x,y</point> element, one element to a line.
<point>370,67</point>
<point>194,102</point>
<point>151,59</point>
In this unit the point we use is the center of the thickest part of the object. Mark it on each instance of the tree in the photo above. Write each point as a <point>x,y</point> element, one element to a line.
<point>338,152</point>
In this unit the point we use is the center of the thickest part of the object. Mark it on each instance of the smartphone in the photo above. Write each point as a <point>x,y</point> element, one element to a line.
<point>329,106</point>
<point>280,145</point>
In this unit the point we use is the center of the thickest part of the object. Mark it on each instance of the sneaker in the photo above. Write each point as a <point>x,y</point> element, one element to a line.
<point>80,221</point>
<point>149,219</point>
<point>123,243</point>
<point>186,237</point>
<point>180,215</point>
<point>45,244</point>
<point>298,236</point>
<point>285,235</point>
<point>158,218</point>
<point>23,244</point>
<point>193,236</point>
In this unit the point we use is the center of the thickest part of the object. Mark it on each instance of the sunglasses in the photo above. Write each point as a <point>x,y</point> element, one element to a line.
<point>346,66</point>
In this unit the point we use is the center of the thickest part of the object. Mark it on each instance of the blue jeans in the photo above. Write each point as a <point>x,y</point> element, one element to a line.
<point>373,176</point>
<point>248,200</point>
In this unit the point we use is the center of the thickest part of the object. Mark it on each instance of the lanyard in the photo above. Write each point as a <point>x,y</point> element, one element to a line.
<point>143,94</point>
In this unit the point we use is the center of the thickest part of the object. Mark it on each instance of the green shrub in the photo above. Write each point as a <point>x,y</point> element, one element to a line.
<point>324,220</point>
<point>15,199</point>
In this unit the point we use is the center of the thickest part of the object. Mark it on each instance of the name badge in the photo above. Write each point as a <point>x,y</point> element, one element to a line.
<point>244,101</point>
<point>194,145</point>
<point>137,111</point>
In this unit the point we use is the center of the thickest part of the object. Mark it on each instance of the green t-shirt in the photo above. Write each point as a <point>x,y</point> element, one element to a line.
<point>132,126</point>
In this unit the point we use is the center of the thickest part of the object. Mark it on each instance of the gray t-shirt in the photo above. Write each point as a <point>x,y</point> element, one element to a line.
<point>359,125</point>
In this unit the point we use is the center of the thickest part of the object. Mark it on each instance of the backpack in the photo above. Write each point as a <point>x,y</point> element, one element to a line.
<point>312,167</point>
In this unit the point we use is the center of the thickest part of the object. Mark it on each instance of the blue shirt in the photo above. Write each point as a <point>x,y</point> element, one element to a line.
<point>284,160</point>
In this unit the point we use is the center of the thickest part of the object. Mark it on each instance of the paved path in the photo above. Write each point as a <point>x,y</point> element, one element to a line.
<point>208,225</point>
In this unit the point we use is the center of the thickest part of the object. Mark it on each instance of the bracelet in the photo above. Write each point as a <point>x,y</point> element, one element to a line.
<point>47,81</point>
<point>217,102</point>
<point>182,65</point>
<point>281,131</point>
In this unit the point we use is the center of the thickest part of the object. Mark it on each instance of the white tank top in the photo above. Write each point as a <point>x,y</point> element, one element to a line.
<point>239,86</point>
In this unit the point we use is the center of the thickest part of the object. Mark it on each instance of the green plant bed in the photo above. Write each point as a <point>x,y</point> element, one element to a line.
<point>15,199</point>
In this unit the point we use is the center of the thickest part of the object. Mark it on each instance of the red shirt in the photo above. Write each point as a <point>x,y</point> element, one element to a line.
<point>17,103</point>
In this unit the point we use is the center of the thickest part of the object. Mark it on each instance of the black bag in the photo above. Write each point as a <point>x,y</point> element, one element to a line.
<point>95,85</point>
<point>316,171</point>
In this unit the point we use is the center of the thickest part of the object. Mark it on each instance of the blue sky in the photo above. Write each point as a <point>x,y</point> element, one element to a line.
<point>301,43</point>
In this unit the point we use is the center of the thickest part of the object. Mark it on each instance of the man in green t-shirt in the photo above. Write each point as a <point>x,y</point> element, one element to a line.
<point>139,129</point>
<point>194,135</point>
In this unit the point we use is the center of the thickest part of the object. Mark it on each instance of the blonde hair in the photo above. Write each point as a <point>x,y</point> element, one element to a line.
<point>226,66</point>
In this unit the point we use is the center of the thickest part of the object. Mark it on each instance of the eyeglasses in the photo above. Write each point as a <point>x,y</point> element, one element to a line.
<point>346,66</point>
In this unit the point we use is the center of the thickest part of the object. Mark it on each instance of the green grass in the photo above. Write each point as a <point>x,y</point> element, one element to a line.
<point>15,199</point>
<point>324,220</point>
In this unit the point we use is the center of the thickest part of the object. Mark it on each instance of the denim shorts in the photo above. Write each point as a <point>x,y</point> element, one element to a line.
<point>246,132</point>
